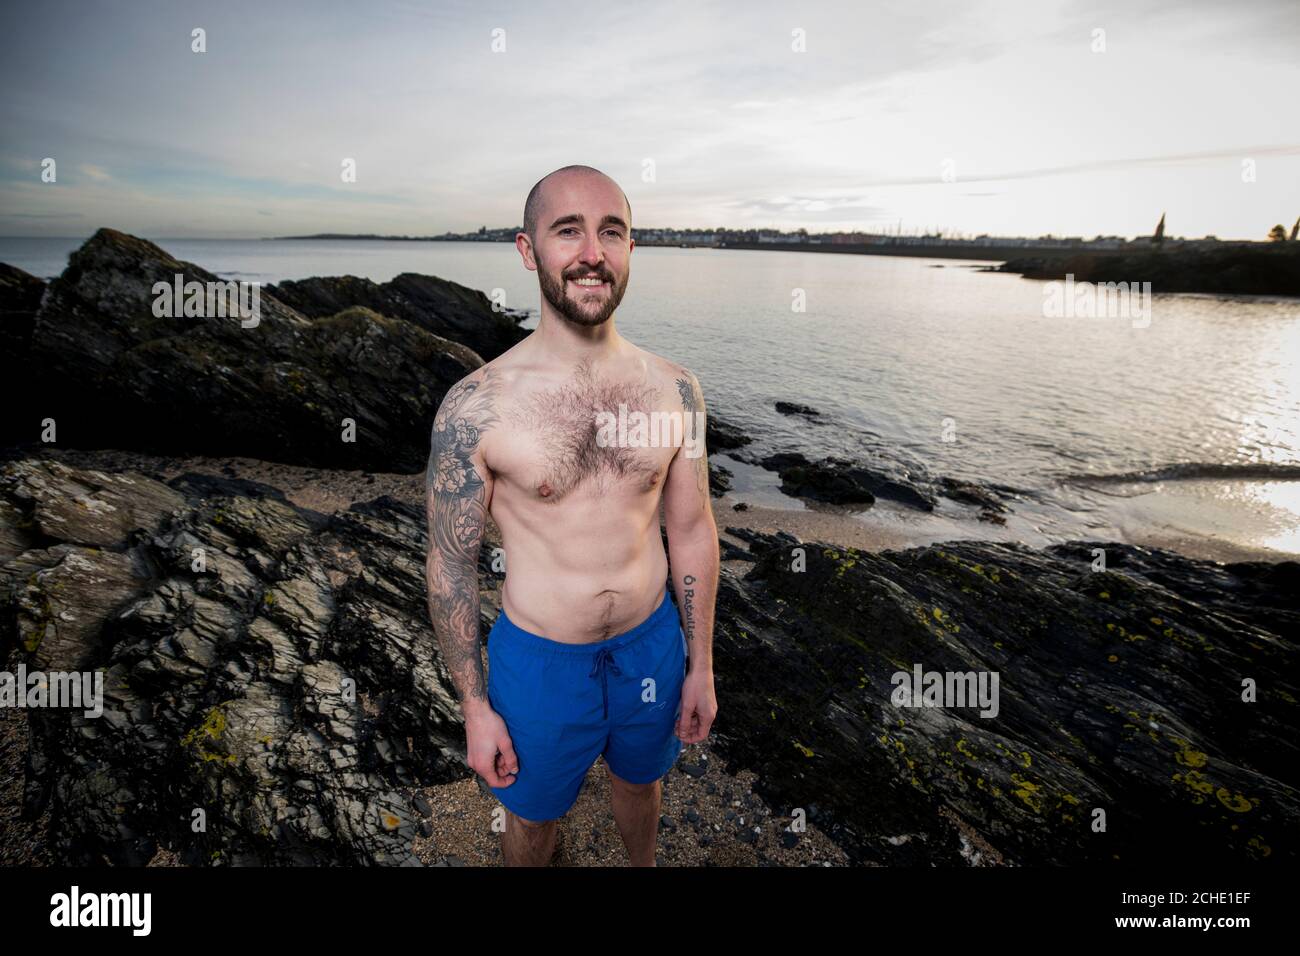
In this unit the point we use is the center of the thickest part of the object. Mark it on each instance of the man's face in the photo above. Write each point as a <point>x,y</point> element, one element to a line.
<point>583,247</point>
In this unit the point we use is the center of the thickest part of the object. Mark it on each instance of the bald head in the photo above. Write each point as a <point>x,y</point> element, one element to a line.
<point>536,196</point>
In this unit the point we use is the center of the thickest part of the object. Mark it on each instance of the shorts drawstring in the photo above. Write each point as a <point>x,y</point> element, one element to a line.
<point>604,659</point>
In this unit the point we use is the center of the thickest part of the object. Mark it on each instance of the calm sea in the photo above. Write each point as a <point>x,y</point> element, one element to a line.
<point>1186,427</point>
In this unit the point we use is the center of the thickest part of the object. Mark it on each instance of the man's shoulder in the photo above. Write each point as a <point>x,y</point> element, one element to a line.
<point>492,378</point>
<point>665,369</point>
<point>473,397</point>
<point>682,381</point>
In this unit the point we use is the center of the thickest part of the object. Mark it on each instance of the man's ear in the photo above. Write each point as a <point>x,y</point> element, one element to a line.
<point>525,247</point>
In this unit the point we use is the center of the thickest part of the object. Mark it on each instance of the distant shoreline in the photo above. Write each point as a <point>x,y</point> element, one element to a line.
<point>1221,268</point>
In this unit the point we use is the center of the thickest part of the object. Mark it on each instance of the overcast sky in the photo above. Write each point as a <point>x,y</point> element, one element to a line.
<point>1038,131</point>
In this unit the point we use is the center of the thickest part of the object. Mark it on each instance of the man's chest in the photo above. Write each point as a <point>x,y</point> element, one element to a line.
<point>585,440</point>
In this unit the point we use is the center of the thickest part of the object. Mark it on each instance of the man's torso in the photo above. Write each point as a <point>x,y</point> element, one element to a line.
<point>579,518</point>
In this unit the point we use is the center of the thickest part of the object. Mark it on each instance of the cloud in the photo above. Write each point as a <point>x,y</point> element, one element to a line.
<point>41,216</point>
<point>1106,165</point>
<point>449,135</point>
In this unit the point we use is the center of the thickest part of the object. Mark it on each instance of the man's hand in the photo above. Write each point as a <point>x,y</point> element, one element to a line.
<point>489,750</point>
<point>699,707</point>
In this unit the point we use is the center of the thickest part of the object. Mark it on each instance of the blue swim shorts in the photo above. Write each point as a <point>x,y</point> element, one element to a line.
<point>567,704</point>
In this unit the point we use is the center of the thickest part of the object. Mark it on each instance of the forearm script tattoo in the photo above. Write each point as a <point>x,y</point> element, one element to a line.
<point>456,507</point>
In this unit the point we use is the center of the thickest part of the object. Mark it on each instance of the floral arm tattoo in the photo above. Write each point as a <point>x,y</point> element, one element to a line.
<point>456,508</point>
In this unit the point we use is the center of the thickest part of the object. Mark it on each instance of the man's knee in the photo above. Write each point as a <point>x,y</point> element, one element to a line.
<point>536,825</point>
<point>618,783</point>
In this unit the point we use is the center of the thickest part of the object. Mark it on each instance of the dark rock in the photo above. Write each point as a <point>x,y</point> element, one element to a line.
<point>20,295</point>
<point>720,436</point>
<point>228,688</point>
<point>729,552</point>
<point>839,481</point>
<point>445,308</point>
<point>740,506</point>
<point>114,375</point>
<point>1119,690</point>
<point>972,494</point>
<point>1235,268</point>
<point>792,408</point>
<point>20,299</point>
<point>719,480</point>
<point>759,541</point>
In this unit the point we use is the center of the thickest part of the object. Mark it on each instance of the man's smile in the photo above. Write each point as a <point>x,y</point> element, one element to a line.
<point>589,283</point>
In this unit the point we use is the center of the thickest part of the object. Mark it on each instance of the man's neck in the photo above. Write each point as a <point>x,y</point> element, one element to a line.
<point>560,340</point>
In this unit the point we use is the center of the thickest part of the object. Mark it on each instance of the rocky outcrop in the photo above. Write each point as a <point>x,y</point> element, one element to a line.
<point>840,481</point>
<point>20,298</point>
<point>1120,701</point>
<point>445,308</point>
<point>274,668</point>
<point>806,411</point>
<point>351,390</point>
<point>719,480</point>
<point>1249,269</point>
<point>268,671</point>
<point>721,436</point>
<point>967,492</point>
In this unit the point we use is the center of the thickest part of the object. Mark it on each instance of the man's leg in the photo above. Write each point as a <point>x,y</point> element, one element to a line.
<point>525,843</point>
<point>636,811</point>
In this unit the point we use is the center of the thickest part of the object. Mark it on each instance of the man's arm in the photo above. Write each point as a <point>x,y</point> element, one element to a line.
<point>458,488</point>
<point>693,537</point>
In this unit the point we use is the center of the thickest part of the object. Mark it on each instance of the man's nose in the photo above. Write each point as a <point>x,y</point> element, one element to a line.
<point>591,252</point>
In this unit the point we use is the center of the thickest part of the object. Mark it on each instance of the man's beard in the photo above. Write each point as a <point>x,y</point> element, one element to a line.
<point>575,311</point>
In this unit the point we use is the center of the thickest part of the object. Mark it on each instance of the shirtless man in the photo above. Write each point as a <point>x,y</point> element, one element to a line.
<point>590,655</point>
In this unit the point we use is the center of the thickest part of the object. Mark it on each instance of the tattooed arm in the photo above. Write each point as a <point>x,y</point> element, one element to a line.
<point>693,559</point>
<point>458,487</point>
